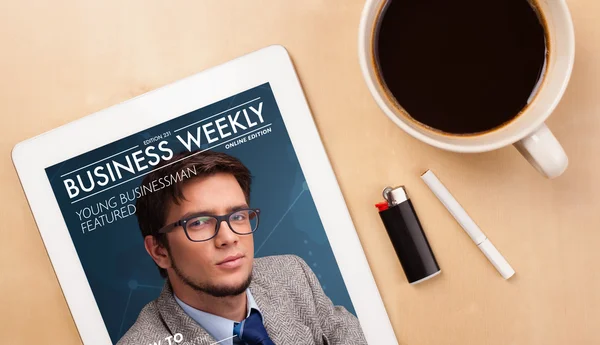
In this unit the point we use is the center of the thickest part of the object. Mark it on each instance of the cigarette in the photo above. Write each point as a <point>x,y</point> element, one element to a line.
<point>461,216</point>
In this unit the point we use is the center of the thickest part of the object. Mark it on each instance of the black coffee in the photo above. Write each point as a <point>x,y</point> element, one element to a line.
<point>462,66</point>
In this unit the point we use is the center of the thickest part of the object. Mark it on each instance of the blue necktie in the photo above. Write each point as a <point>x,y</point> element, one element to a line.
<point>252,331</point>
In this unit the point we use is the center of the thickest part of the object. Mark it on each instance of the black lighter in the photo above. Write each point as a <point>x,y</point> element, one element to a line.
<point>407,236</point>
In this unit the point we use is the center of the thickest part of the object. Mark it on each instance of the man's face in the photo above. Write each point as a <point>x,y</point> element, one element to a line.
<point>209,266</point>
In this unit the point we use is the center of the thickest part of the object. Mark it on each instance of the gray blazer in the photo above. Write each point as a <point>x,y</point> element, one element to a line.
<point>295,309</point>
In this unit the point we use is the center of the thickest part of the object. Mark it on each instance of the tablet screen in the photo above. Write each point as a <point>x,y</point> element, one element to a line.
<point>100,194</point>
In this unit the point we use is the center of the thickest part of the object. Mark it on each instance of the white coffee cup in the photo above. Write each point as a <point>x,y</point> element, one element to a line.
<point>527,132</point>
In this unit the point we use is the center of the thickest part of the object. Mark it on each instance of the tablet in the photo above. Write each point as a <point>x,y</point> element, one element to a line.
<point>84,182</point>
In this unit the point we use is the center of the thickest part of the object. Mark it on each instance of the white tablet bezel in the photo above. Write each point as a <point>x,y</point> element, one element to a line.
<point>271,64</point>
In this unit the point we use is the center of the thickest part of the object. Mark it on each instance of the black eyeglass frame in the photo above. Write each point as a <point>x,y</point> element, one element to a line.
<point>183,223</point>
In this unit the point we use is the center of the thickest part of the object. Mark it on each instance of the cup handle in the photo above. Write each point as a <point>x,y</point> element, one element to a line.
<point>544,152</point>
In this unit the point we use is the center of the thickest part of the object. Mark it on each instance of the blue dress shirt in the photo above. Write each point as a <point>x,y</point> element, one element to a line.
<point>218,327</point>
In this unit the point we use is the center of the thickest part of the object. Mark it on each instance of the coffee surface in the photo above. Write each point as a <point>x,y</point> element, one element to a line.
<point>462,66</point>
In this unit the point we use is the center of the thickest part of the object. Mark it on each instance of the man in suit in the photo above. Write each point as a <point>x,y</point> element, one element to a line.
<point>199,233</point>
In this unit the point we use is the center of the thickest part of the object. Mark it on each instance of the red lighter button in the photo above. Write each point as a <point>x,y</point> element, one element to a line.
<point>382,206</point>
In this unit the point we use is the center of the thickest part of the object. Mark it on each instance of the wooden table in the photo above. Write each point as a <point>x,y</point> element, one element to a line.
<point>62,60</point>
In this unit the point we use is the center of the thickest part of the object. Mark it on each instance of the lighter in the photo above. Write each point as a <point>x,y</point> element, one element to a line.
<point>407,236</point>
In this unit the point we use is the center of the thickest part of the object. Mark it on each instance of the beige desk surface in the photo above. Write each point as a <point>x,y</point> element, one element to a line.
<point>64,59</point>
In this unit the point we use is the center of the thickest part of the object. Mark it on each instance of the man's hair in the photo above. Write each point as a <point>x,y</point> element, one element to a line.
<point>151,209</point>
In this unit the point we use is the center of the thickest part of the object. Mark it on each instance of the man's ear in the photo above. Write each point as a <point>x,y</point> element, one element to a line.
<point>158,252</point>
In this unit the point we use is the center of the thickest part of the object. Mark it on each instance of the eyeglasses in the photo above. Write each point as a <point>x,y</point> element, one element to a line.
<point>203,227</point>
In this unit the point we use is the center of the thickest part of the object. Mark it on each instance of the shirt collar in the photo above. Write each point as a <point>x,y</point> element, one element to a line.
<point>218,327</point>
